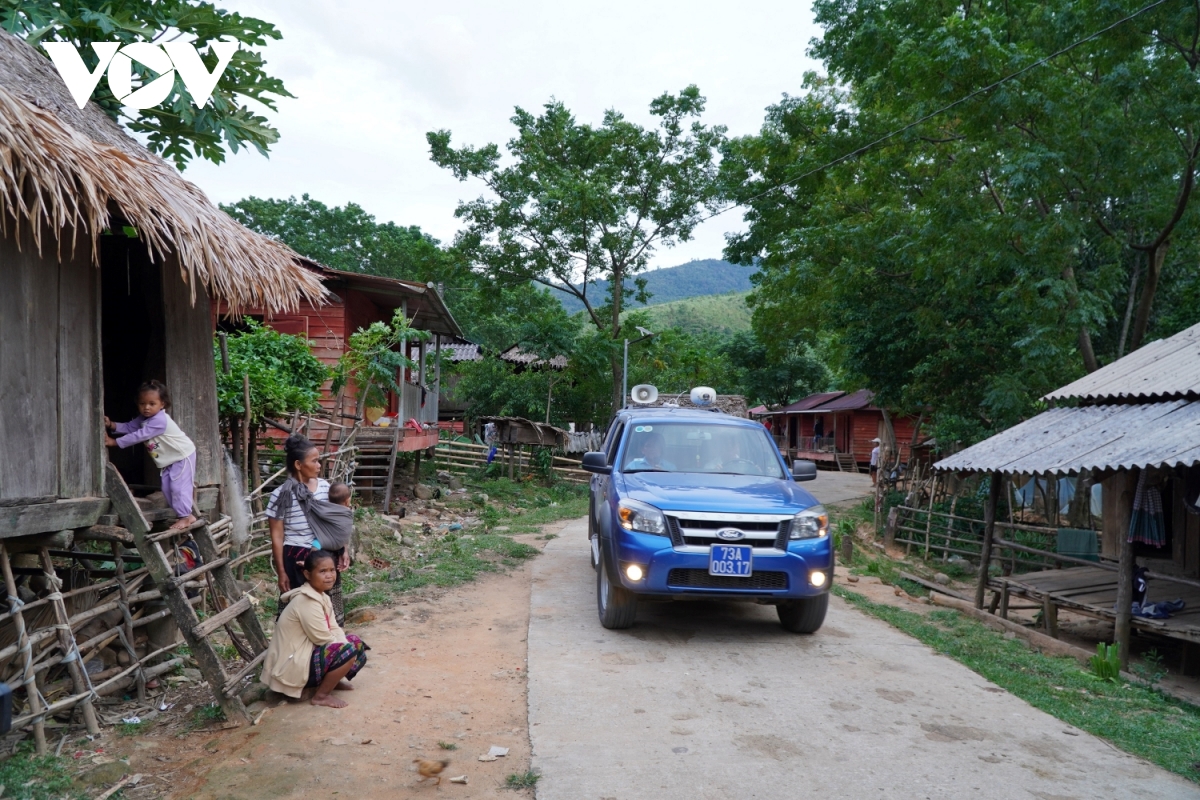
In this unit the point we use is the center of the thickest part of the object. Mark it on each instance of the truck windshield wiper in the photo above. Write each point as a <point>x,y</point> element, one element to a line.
<point>645,469</point>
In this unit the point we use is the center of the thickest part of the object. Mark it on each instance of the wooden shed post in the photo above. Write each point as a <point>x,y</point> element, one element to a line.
<point>1124,593</point>
<point>989,530</point>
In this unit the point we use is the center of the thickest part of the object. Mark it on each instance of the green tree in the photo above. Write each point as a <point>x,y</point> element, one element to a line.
<point>991,253</point>
<point>374,359</point>
<point>176,129</point>
<point>581,203</point>
<point>283,373</point>
<point>774,373</point>
<point>349,238</point>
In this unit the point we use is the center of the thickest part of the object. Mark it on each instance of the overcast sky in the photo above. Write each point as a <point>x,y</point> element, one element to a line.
<point>371,77</point>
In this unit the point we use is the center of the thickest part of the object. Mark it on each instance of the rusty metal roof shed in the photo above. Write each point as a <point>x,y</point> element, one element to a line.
<point>1162,370</point>
<point>850,402</point>
<point>1063,441</point>
<point>807,403</point>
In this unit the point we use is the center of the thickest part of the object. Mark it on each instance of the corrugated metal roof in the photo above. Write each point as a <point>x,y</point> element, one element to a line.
<point>461,351</point>
<point>1066,440</point>
<point>808,402</point>
<point>1162,370</point>
<point>851,402</point>
<point>516,355</point>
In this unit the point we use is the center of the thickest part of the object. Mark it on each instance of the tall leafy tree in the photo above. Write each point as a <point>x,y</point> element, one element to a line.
<point>176,129</point>
<point>580,203</point>
<point>993,252</point>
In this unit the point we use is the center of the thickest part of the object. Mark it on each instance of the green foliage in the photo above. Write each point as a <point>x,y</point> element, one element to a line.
<point>722,314</point>
<point>1106,664</point>
<point>31,777</point>
<point>348,238</point>
<point>447,745</point>
<point>284,374</point>
<point>776,371</point>
<point>988,255</point>
<point>697,278</point>
<point>373,361</point>
<point>1136,719</point>
<point>580,203</point>
<point>175,129</point>
<point>522,780</point>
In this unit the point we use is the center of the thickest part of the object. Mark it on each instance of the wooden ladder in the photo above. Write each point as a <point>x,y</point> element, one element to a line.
<point>845,462</point>
<point>237,605</point>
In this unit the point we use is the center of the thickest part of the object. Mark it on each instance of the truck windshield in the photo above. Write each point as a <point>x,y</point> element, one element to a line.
<point>700,447</point>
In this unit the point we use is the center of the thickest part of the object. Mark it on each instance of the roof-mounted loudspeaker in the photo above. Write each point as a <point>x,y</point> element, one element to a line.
<point>704,396</point>
<point>643,394</point>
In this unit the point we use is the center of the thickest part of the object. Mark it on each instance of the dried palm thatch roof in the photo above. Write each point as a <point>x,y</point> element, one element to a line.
<point>68,173</point>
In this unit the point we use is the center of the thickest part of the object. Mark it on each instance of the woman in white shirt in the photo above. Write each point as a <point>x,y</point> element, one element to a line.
<point>291,535</point>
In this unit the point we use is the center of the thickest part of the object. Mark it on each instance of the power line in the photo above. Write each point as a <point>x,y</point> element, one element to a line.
<point>892,134</point>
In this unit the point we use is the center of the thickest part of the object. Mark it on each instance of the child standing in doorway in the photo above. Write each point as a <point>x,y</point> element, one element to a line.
<point>173,452</point>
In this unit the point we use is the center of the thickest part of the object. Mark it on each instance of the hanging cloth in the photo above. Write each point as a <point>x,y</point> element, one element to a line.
<point>1147,525</point>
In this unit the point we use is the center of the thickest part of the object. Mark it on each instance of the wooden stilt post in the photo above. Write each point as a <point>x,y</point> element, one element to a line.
<point>989,531</point>
<point>119,560</point>
<point>391,472</point>
<point>67,642</point>
<point>32,695</point>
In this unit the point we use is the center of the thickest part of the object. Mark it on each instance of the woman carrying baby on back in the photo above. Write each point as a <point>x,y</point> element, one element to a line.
<point>302,519</point>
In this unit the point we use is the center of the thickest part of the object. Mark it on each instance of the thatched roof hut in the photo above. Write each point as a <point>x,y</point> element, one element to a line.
<point>109,261</point>
<point>68,173</point>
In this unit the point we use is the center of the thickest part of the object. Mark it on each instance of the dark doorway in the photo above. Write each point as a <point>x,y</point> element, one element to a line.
<point>132,341</point>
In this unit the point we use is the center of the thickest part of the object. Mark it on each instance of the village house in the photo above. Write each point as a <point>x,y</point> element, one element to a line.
<point>835,429</point>
<point>110,262</point>
<point>1133,427</point>
<point>355,301</point>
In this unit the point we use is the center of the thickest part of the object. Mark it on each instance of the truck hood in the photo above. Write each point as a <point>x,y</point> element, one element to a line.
<point>734,494</point>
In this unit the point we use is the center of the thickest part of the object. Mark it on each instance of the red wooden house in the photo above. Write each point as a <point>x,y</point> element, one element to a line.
<point>357,300</point>
<point>835,429</point>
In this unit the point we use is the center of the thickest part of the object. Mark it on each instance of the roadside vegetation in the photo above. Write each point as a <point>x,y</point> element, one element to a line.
<point>1136,717</point>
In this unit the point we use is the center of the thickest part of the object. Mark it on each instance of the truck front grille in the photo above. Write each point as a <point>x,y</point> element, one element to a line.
<point>702,532</point>
<point>700,579</point>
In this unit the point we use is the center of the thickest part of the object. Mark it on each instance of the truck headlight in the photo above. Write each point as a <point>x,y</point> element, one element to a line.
<point>811,523</point>
<point>637,516</point>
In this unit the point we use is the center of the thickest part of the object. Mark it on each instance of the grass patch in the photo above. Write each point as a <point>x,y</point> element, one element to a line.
<point>522,780</point>
<point>134,728</point>
<point>448,745</point>
<point>32,778</point>
<point>205,715</point>
<point>1137,719</point>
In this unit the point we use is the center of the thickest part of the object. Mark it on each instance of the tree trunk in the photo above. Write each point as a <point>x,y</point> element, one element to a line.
<point>1080,510</point>
<point>1129,304</point>
<point>1154,263</point>
<point>617,287</point>
<point>235,441</point>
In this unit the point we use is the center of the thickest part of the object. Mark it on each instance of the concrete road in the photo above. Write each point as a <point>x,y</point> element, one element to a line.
<point>715,700</point>
<point>840,488</point>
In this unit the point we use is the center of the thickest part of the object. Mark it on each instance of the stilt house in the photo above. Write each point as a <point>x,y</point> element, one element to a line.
<point>109,261</point>
<point>835,429</point>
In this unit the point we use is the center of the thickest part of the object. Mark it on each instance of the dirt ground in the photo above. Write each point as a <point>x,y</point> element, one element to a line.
<point>446,666</point>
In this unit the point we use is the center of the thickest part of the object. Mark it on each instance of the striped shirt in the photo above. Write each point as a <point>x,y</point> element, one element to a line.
<point>296,530</point>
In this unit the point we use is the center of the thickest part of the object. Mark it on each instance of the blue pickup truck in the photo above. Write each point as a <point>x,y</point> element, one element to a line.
<point>692,502</point>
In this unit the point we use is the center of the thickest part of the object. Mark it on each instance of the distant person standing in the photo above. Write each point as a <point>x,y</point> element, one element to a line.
<point>875,461</point>
<point>818,432</point>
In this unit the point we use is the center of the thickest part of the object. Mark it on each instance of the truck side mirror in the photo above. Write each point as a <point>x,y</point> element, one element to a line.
<point>801,470</point>
<point>596,463</point>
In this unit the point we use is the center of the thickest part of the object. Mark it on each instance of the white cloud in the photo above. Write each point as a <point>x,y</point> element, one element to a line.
<point>372,77</point>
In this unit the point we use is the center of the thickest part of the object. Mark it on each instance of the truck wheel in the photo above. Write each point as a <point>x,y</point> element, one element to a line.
<point>616,605</point>
<point>804,615</point>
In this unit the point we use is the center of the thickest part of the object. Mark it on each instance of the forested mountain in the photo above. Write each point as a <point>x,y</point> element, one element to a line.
<point>724,314</point>
<point>693,279</point>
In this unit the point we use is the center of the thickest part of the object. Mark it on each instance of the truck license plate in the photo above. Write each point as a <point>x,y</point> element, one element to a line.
<point>730,560</point>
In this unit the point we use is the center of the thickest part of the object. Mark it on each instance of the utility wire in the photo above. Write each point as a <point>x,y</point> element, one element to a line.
<point>893,134</point>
